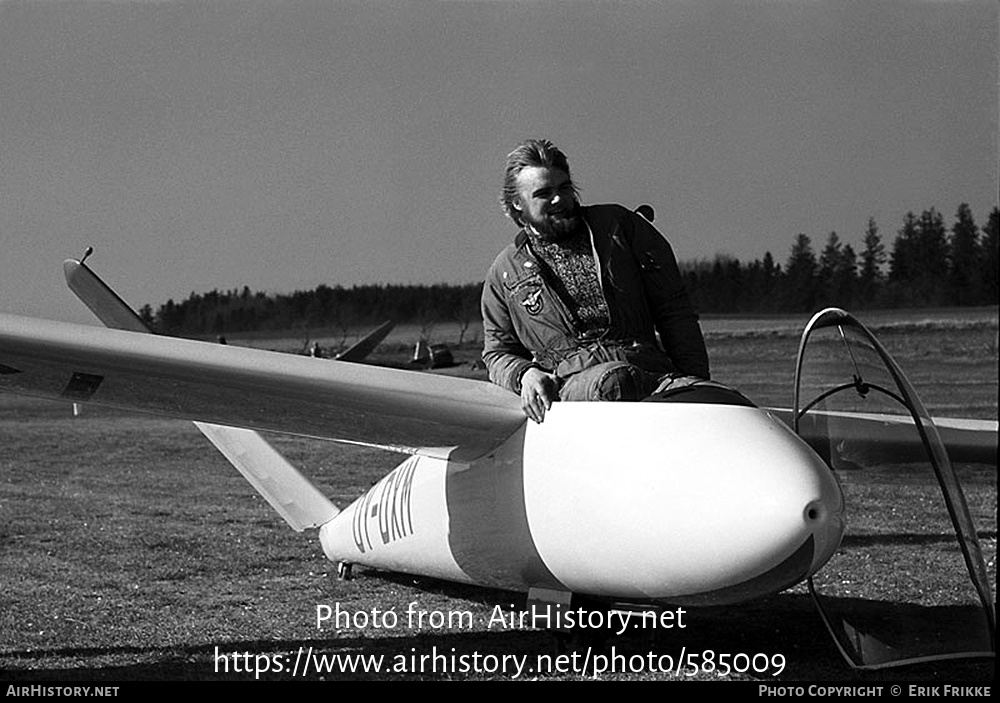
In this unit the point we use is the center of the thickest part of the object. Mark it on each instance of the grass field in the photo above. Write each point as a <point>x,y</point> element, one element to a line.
<point>130,549</point>
<point>949,355</point>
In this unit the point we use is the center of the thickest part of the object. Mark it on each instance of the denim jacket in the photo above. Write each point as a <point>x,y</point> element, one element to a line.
<point>527,324</point>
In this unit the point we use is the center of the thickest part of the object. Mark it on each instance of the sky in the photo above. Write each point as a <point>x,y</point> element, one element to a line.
<point>218,144</point>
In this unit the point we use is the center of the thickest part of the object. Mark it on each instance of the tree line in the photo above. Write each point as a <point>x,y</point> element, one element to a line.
<point>327,308</point>
<point>928,265</point>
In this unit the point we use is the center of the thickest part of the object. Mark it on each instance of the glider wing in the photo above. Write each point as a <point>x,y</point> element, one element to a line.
<point>401,410</point>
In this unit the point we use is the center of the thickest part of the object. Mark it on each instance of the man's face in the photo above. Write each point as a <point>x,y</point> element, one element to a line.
<point>547,201</point>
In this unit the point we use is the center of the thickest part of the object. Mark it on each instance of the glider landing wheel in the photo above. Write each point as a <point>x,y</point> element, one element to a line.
<point>345,570</point>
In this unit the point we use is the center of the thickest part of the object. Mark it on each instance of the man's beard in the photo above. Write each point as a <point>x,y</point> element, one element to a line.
<point>555,226</point>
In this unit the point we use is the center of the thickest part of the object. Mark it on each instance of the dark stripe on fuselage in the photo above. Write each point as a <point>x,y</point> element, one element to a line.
<point>488,533</point>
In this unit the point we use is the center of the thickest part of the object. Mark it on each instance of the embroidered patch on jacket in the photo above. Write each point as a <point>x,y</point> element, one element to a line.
<point>533,302</point>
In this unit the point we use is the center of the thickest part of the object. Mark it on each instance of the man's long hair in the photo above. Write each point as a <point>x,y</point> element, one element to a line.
<point>532,152</point>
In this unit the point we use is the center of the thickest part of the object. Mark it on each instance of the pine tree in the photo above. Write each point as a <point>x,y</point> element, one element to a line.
<point>988,260</point>
<point>799,289</point>
<point>919,265</point>
<point>932,257</point>
<point>962,270</point>
<point>904,251</point>
<point>845,279</point>
<point>829,261</point>
<point>873,257</point>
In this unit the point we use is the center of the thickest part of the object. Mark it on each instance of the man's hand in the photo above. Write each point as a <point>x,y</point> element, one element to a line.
<point>538,391</point>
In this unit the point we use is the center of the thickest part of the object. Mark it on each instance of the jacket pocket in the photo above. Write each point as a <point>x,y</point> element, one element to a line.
<point>515,283</point>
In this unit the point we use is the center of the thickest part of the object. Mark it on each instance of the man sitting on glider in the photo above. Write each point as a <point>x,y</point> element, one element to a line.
<point>572,308</point>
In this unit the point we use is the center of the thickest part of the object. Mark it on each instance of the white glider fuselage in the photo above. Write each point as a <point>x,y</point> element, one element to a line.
<point>682,502</point>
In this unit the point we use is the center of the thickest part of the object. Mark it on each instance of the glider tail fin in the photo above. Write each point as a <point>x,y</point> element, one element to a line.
<point>363,347</point>
<point>290,493</point>
<point>106,305</point>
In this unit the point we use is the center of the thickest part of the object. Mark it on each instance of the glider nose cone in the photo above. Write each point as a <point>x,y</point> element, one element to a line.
<point>817,531</point>
<point>686,502</point>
